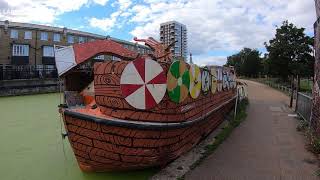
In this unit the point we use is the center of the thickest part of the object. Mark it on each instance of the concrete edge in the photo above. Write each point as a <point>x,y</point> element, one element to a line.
<point>181,166</point>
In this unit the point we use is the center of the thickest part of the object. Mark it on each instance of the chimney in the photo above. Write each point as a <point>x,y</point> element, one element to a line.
<point>6,26</point>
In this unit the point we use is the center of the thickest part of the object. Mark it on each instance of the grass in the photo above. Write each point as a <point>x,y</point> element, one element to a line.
<point>305,84</point>
<point>312,140</point>
<point>225,133</point>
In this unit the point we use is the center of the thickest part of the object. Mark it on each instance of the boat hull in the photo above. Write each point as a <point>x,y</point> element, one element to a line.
<point>115,145</point>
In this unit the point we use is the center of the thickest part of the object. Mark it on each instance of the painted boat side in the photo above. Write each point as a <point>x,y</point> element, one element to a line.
<point>101,146</point>
<point>111,102</point>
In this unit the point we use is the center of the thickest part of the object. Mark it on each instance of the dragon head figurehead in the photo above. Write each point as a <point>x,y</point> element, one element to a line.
<point>161,53</point>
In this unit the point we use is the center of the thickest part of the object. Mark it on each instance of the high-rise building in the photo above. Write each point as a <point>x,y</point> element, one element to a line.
<point>174,31</point>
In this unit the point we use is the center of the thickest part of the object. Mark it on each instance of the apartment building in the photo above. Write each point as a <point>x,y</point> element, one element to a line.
<point>24,45</point>
<point>174,31</point>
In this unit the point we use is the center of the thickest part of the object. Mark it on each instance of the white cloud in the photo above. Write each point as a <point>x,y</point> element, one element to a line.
<point>101,2</point>
<point>105,24</point>
<point>108,23</point>
<point>204,60</point>
<point>44,11</point>
<point>124,4</point>
<point>222,25</point>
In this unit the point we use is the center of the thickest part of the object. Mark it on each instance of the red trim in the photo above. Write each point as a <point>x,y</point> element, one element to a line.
<point>86,51</point>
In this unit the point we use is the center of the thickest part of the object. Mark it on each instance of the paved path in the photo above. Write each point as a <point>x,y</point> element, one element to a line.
<point>265,146</point>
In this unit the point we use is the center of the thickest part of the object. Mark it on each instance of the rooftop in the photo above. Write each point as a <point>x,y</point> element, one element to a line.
<point>31,26</point>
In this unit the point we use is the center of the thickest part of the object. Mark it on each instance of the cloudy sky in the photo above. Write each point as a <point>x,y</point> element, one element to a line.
<point>216,28</point>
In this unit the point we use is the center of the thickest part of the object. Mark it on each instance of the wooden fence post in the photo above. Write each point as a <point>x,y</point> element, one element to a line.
<point>297,90</point>
<point>291,95</point>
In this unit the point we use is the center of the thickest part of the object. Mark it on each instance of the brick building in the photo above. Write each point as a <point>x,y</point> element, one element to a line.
<point>29,48</point>
<point>316,90</point>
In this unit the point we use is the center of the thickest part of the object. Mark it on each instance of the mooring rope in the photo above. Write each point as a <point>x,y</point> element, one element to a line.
<point>61,129</point>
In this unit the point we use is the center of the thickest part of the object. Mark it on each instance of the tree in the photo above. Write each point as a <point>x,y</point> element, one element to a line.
<point>290,52</point>
<point>247,62</point>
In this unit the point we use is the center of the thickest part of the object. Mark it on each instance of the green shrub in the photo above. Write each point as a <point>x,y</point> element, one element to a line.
<point>313,142</point>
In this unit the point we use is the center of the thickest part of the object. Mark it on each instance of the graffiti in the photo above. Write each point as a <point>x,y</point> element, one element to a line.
<point>232,79</point>
<point>195,81</point>
<point>219,79</point>
<point>206,80</point>
<point>228,79</point>
<point>225,80</point>
<point>214,80</point>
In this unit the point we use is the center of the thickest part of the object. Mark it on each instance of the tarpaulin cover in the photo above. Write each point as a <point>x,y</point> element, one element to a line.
<point>69,57</point>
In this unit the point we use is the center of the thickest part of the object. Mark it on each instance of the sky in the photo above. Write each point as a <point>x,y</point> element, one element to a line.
<point>216,28</point>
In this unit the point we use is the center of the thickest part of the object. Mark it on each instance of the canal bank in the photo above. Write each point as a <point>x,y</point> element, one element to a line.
<point>31,145</point>
<point>28,86</point>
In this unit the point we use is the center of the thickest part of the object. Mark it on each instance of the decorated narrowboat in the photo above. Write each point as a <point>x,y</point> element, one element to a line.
<point>139,111</point>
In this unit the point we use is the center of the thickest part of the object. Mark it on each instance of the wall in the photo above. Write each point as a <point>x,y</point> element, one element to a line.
<point>25,87</point>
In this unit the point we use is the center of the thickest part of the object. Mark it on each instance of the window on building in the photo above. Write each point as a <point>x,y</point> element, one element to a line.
<point>70,39</point>
<point>27,35</point>
<point>115,58</point>
<point>48,51</point>
<point>14,34</point>
<point>126,46</point>
<point>82,39</point>
<point>56,37</point>
<point>44,36</point>
<point>20,50</point>
<point>100,57</point>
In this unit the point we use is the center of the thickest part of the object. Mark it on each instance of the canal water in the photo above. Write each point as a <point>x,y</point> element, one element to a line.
<point>31,146</point>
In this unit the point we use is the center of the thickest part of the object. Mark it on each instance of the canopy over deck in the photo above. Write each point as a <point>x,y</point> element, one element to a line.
<point>69,57</point>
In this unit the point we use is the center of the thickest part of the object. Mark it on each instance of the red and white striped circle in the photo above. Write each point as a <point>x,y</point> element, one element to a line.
<point>143,83</point>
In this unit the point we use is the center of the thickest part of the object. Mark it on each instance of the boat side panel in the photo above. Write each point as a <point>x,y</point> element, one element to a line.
<point>101,147</point>
<point>109,98</point>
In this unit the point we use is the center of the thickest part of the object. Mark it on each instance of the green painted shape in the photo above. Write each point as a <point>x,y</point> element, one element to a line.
<point>186,79</point>
<point>30,133</point>
<point>175,94</point>
<point>174,69</point>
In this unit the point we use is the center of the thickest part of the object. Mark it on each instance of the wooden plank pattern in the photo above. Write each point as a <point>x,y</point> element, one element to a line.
<point>111,102</point>
<point>99,147</point>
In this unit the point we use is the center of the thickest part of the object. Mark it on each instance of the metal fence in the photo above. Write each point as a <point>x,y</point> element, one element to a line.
<point>27,72</point>
<point>304,105</point>
<point>287,90</point>
<point>303,100</point>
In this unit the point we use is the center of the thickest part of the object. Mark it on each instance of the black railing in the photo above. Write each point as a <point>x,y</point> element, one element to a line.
<point>27,72</point>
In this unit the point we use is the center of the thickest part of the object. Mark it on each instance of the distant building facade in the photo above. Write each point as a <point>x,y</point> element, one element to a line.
<point>174,31</point>
<point>31,46</point>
